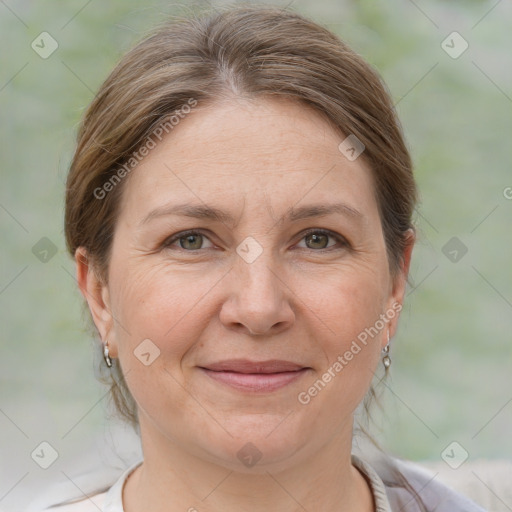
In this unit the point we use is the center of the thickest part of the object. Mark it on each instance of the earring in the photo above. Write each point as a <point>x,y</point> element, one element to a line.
<point>386,360</point>
<point>108,361</point>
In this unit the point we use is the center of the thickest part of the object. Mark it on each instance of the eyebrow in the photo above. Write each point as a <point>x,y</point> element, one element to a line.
<point>197,211</point>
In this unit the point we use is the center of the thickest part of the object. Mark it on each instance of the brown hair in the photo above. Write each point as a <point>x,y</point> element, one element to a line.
<point>246,51</point>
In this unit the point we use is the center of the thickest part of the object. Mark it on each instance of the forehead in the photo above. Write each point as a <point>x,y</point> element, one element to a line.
<point>265,154</point>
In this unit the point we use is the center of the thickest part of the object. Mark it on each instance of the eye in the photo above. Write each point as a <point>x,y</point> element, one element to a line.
<point>188,240</point>
<point>194,240</point>
<point>319,239</point>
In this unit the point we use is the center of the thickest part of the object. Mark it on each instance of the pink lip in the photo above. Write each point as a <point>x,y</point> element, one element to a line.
<point>263,382</point>
<point>248,366</point>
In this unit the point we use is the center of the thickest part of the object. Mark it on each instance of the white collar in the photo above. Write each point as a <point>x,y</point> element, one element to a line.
<point>114,497</point>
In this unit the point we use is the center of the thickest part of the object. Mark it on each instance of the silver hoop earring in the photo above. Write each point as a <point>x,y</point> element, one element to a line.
<point>106,356</point>
<point>386,360</point>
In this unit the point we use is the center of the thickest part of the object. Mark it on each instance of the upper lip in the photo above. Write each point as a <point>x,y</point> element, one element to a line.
<point>248,366</point>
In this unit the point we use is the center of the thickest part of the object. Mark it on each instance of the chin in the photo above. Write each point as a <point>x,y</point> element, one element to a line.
<point>259,443</point>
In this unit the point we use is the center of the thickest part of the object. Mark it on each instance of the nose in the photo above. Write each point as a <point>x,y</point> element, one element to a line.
<point>259,302</point>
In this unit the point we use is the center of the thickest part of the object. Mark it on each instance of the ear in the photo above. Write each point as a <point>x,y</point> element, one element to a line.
<point>400,283</point>
<point>97,295</point>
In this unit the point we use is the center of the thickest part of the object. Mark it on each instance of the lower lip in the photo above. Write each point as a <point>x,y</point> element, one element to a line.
<point>262,382</point>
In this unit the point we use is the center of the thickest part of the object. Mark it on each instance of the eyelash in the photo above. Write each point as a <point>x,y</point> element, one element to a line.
<point>174,238</point>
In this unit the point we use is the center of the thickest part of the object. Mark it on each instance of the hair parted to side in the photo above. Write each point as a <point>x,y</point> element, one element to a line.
<point>247,51</point>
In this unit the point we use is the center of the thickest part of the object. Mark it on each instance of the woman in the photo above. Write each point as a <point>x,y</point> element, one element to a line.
<point>239,208</point>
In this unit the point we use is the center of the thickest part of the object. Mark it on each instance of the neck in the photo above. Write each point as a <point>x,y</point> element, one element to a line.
<point>172,478</point>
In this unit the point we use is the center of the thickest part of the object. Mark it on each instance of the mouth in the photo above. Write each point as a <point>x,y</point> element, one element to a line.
<point>253,376</point>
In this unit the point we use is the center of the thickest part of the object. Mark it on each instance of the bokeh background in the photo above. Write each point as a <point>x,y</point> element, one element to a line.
<point>452,358</point>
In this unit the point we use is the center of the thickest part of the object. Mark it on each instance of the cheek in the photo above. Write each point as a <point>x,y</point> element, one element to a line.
<point>346,300</point>
<point>162,314</point>
<point>349,309</point>
<point>162,304</point>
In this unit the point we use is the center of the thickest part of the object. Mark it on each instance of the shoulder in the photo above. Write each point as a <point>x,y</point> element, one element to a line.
<point>410,486</point>
<point>426,485</point>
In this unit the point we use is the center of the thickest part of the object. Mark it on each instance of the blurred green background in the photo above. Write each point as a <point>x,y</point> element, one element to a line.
<point>452,358</point>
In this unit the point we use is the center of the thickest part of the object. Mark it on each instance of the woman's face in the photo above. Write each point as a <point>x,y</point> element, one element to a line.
<point>293,269</point>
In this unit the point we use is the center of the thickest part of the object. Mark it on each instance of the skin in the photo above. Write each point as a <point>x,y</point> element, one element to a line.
<point>199,302</point>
